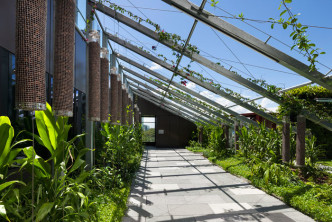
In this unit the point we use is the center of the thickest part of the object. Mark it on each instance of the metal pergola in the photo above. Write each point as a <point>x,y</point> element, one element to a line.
<point>199,112</point>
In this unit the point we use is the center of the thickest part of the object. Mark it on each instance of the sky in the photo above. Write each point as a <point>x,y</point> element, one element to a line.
<point>220,48</point>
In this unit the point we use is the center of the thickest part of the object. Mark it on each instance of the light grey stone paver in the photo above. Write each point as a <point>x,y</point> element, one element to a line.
<point>178,185</point>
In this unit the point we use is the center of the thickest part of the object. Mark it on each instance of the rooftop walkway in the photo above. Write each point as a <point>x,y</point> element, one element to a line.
<point>178,185</point>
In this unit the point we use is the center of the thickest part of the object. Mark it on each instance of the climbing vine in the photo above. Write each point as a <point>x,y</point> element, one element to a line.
<point>299,34</point>
<point>177,42</point>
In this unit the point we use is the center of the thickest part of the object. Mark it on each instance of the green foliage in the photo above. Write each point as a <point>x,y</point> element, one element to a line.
<point>60,193</point>
<point>304,98</point>
<point>299,34</point>
<point>60,188</point>
<point>217,142</point>
<point>7,159</point>
<point>119,160</point>
<point>149,135</point>
<point>259,160</point>
<point>123,149</point>
<point>112,204</point>
<point>214,3</point>
<point>312,199</point>
<point>260,142</point>
<point>326,163</point>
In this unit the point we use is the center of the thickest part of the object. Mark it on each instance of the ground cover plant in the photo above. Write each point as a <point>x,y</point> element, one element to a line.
<point>308,189</point>
<point>117,163</point>
<point>59,188</point>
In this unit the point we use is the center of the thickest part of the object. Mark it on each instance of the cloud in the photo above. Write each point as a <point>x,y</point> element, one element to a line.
<point>155,66</point>
<point>191,85</point>
<point>269,105</point>
<point>216,98</point>
<point>224,102</point>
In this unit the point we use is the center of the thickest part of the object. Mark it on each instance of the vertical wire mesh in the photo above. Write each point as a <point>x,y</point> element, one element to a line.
<point>114,97</point>
<point>104,66</point>
<point>94,81</point>
<point>31,16</point>
<point>119,115</point>
<point>64,54</point>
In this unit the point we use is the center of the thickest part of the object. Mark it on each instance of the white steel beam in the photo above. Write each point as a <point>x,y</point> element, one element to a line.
<point>250,41</point>
<point>184,98</point>
<point>193,79</point>
<point>196,112</point>
<point>174,105</point>
<point>168,108</point>
<point>183,88</point>
<point>192,55</point>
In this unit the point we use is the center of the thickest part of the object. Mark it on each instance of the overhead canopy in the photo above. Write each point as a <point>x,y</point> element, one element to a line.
<point>220,25</point>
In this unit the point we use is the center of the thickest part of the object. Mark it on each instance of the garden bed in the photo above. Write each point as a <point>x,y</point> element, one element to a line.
<point>313,199</point>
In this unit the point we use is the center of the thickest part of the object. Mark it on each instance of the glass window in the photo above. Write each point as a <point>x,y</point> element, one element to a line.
<point>81,14</point>
<point>149,129</point>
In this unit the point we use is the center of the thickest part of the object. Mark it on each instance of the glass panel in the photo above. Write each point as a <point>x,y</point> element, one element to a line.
<point>149,129</point>
<point>81,14</point>
<point>149,119</point>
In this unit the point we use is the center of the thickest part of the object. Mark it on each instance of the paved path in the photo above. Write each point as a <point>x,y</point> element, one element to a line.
<point>178,185</point>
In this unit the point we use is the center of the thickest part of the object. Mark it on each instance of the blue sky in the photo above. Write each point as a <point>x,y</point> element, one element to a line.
<point>256,65</point>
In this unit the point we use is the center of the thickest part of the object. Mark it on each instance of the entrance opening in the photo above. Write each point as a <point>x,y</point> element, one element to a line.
<point>149,130</point>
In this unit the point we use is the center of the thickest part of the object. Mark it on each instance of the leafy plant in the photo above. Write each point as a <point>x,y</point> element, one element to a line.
<point>58,191</point>
<point>7,158</point>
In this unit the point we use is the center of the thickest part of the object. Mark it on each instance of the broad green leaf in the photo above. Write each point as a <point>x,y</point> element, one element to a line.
<point>44,210</point>
<point>3,212</point>
<point>75,138</point>
<point>5,138</point>
<point>51,128</point>
<point>21,141</point>
<point>7,184</point>
<point>5,120</point>
<point>288,1</point>
<point>43,132</point>
<point>77,164</point>
<point>12,155</point>
<point>38,161</point>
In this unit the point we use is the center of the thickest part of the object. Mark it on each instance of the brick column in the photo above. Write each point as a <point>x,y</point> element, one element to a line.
<point>30,52</point>
<point>300,140</point>
<point>104,67</point>
<point>64,55</point>
<point>94,76</point>
<point>286,140</point>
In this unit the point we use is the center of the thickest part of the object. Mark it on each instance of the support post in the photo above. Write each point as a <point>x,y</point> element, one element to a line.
<point>236,136</point>
<point>286,140</point>
<point>226,135</point>
<point>300,141</point>
<point>200,135</point>
<point>124,105</point>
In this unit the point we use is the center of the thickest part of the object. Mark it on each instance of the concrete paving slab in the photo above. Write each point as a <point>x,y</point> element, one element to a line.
<point>178,185</point>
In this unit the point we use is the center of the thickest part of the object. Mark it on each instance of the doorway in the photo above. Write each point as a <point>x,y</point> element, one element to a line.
<point>149,130</point>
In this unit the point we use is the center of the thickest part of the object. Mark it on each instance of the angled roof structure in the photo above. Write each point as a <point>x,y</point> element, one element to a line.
<point>220,25</point>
